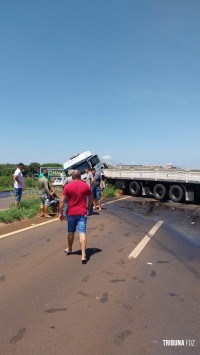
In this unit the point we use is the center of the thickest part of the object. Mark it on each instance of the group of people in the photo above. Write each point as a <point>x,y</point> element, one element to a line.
<point>79,199</point>
<point>47,194</point>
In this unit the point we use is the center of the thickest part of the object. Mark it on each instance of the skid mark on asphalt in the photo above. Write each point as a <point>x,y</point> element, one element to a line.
<point>104,298</point>
<point>85,279</point>
<point>153,273</point>
<point>84,294</point>
<point>119,280</point>
<point>24,255</point>
<point>173,294</point>
<point>19,336</point>
<point>53,310</point>
<point>121,337</point>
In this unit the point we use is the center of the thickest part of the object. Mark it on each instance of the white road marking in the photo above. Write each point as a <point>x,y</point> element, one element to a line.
<point>27,228</point>
<point>145,240</point>
<point>123,198</point>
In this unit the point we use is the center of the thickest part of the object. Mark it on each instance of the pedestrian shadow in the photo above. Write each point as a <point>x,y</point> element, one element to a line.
<point>92,251</point>
<point>89,252</point>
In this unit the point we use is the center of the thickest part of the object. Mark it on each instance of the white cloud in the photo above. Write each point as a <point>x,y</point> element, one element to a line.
<point>106,157</point>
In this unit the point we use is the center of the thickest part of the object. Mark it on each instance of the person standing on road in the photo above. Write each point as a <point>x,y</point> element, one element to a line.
<point>45,194</point>
<point>18,183</point>
<point>96,188</point>
<point>42,174</point>
<point>79,197</point>
<point>89,180</point>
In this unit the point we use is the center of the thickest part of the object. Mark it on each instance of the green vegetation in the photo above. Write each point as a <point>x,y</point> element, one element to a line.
<point>30,173</point>
<point>110,191</point>
<point>7,183</point>
<point>29,208</point>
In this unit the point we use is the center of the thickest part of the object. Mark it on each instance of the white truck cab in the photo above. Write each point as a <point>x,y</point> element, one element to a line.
<point>81,162</point>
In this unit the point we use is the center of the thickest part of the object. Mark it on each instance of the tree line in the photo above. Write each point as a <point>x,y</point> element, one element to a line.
<point>29,170</point>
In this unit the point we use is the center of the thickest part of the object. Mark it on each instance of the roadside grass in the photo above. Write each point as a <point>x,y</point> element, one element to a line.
<point>6,183</point>
<point>29,208</point>
<point>111,191</point>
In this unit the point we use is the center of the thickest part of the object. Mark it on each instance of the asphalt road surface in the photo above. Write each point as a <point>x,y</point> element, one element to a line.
<point>137,295</point>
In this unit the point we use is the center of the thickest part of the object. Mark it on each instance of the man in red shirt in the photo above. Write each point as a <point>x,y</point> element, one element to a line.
<point>77,193</point>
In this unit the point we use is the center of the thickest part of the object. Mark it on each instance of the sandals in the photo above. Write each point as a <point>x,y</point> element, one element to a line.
<point>67,252</point>
<point>84,261</point>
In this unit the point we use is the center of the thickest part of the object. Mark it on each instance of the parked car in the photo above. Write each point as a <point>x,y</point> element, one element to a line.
<point>58,182</point>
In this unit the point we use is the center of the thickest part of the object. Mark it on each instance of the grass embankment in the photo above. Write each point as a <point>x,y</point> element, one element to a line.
<point>111,191</point>
<point>30,206</point>
<point>6,183</point>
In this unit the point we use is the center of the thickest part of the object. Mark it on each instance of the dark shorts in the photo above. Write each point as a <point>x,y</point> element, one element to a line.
<point>77,221</point>
<point>18,194</point>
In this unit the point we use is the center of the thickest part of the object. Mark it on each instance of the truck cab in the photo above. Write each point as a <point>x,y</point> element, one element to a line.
<point>81,162</point>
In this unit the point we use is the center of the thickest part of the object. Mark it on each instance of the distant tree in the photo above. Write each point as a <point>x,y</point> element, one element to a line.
<point>33,168</point>
<point>7,169</point>
<point>52,165</point>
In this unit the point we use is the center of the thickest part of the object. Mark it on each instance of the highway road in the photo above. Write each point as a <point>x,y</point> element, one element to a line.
<point>137,295</point>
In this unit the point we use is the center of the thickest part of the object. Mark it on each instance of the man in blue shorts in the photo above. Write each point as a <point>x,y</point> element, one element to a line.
<point>96,188</point>
<point>18,183</point>
<point>79,197</point>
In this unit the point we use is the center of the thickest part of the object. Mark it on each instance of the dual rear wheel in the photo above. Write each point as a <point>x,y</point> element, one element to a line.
<point>160,192</point>
<point>176,192</point>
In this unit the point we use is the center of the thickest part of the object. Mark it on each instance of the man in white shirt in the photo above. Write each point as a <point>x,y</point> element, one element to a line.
<point>18,183</point>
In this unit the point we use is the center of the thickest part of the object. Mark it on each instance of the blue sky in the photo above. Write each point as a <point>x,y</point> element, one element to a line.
<point>118,77</point>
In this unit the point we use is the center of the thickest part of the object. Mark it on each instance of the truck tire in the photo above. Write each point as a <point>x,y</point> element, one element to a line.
<point>135,188</point>
<point>159,192</point>
<point>176,193</point>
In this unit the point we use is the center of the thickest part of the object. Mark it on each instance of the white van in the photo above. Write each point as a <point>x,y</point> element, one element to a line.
<point>58,182</point>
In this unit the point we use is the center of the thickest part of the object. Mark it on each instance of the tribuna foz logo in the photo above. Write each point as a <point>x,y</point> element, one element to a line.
<point>178,342</point>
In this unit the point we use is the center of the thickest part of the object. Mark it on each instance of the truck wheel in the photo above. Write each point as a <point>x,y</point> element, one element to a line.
<point>159,192</point>
<point>135,188</point>
<point>176,193</point>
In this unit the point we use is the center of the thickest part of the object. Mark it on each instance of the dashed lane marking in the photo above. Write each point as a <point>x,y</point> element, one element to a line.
<point>145,240</point>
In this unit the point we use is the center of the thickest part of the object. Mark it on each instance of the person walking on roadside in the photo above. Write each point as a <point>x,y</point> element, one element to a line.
<point>79,197</point>
<point>18,183</point>
<point>45,194</point>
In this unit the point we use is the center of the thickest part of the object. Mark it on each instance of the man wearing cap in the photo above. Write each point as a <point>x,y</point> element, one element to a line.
<point>18,183</point>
